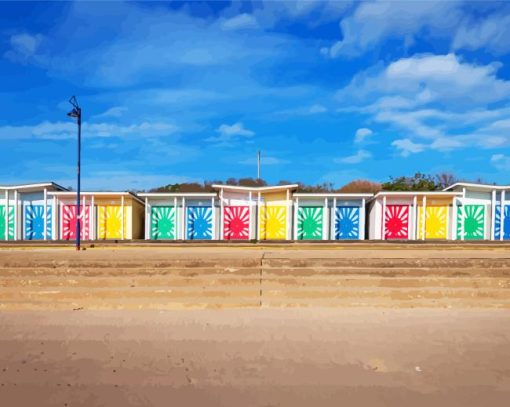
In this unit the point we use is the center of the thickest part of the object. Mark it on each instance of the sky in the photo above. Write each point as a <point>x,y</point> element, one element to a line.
<point>329,91</point>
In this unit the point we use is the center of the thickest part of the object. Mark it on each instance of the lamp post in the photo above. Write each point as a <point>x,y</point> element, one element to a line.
<point>76,113</point>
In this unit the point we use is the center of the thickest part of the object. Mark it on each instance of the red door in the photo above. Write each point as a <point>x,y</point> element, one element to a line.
<point>236,222</point>
<point>396,222</point>
<point>68,219</point>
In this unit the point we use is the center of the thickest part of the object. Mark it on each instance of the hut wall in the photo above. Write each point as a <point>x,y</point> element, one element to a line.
<point>274,216</point>
<point>349,219</point>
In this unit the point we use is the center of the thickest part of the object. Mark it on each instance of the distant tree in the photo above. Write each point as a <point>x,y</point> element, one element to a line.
<point>318,188</point>
<point>418,182</point>
<point>361,186</point>
<point>445,179</point>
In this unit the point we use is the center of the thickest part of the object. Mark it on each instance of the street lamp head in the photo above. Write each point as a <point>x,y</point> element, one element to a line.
<point>76,113</point>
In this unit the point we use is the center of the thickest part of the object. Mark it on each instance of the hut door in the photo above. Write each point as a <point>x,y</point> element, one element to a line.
<point>310,220</point>
<point>347,222</point>
<point>506,223</point>
<point>162,222</point>
<point>471,218</point>
<point>34,222</point>
<point>10,223</point>
<point>436,222</point>
<point>236,222</point>
<point>68,219</point>
<point>199,222</point>
<point>396,222</point>
<point>273,222</point>
<point>110,222</point>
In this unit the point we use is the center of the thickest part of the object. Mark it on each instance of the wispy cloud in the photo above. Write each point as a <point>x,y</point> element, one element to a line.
<point>67,130</point>
<point>23,47</point>
<point>358,157</point>
<point>362,134</point>
<point>240,22</point>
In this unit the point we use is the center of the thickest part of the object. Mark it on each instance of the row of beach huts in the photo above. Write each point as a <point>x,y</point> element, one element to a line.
<point>463,211</point>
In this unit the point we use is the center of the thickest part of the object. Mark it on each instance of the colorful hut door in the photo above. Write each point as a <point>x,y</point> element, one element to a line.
<point>310,220</point>
<point>110,225</point>
<point>273,222</point>
<point>236,222</point>
<point>10,223</point>
<point>162,222</point>
<point>396,222</point>
<point>436,222</point>
<point>34,222</point>
<point>506,223</point>
<point>347,222</point>
<point>199,222</point>
<point>69,222</point>
<point>473,219</point>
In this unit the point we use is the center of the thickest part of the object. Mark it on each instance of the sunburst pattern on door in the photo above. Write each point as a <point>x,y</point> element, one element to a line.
<point>347,222</point>
<point>236,222</point>
<point>310,222</point>
<point>69,222</point>
<point>273,222</point>
<point>162,222</point>
<point>436,222</point>
<point>506,223</point>
<point>396,222</point>
<point>9,225</point>
<point>473,218</point>
<point>110,222</point>
<point>34,222</point>
<point>199,222</point>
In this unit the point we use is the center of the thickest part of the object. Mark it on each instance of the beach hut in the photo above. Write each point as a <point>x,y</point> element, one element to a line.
<point>238,212</point>
<point>263,213</point>
<point>410,215</point>
<point>180,216</point>
<point>25,211</point>
<point>103,215</point>
<point>329,216</point>
<point>483,211</point>
<point>275,212</point>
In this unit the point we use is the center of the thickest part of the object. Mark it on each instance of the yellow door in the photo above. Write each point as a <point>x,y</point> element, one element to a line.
<point>436,222</point>
<point>273,222</point>
<point>110,222</point>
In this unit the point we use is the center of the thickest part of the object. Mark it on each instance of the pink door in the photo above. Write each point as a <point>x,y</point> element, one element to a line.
<point>68,219</point>
<point>236,222</point>
<point>396,222</point>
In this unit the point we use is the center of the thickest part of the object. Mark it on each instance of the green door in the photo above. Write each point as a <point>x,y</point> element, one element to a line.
<point>473,218</point>
<point>162,222</point>
<point>10,223</point>
<point>310,220</point>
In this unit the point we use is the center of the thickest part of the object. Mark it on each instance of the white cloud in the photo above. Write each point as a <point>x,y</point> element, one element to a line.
<point>362,134</point>
<point>67,130</point>
<point>314,109</point>
<point>239,22</point>
<point>438,98</point>
<point>230,133</point>
<point>406,147</point>
<point>116,112</point>
<point>433,78</point>
<point>501,162</point>
<point>491,33</point>
<point>372,23</point>
<point>358,157</point>
<point>23,47</point>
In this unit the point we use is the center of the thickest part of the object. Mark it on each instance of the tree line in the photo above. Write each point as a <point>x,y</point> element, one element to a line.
<point>417,182</point>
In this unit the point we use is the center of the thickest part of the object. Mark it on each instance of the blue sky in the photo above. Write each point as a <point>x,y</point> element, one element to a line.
<point>187,91</point>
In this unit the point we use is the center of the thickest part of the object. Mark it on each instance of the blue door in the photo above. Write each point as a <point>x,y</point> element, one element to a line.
<point>506,223</point>
<point>34,222</point>
<point>347,222</point>
<point>199,222</point>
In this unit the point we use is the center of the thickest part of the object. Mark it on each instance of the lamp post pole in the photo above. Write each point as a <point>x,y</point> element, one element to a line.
<point>76,113</point>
